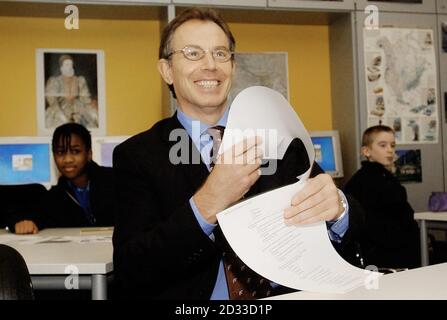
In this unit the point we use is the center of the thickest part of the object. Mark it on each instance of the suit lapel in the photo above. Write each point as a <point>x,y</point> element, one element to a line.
<point>195,173</point>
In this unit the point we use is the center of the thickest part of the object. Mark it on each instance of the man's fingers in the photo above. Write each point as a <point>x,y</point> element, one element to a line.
<point>325,195</point>
<point>246,156</point>
<point>245,145</point>
<point>318,200</point>
<point>312,186</point>
<point>251,156</point>
<point>254,176</point>
<point>294,215</point>
<point>309,220</point>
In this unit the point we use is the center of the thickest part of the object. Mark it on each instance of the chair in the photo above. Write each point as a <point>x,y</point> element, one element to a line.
<point>15,280</point>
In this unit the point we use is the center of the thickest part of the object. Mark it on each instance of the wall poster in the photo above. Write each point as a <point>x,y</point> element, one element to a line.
<point>401,83</point>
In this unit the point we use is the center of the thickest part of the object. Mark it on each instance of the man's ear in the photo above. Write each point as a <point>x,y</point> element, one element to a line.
<point>89,155</point>
<point>165,70</point>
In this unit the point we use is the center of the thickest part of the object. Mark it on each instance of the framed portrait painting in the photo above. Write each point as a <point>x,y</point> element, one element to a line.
<point>70,88</point>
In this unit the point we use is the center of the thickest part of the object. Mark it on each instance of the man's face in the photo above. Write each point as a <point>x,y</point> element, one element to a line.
<point>201,86</point>
<point>71,162</point>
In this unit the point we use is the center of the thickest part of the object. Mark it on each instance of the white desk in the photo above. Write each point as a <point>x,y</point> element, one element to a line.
<point>426,283</point>
<point>427,219</point>
<point>50,264</point>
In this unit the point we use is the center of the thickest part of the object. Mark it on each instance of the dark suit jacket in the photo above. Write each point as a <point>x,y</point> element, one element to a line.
<point>160,251</point>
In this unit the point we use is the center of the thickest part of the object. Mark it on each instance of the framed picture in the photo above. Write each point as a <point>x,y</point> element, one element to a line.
<point>70,88</point>
<point>408,166</point>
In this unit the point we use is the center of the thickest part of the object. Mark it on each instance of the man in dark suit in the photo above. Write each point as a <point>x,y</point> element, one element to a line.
<point>166,227</point>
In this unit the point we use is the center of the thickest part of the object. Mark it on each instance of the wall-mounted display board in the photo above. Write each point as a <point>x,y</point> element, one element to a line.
<point>401,82</point>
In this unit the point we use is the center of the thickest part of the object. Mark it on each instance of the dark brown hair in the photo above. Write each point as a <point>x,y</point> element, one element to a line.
<point>203,14</point>
<point>371,132</point>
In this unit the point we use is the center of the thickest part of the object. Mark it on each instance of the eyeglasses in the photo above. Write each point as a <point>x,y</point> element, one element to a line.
<point>195,53</point>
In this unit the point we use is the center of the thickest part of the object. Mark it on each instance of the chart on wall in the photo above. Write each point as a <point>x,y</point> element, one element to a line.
<point>268,69</point>
<point>401,83</point>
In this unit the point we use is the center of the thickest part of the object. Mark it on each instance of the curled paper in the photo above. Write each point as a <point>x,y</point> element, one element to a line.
<point>265,112</point>
<point>300,257</point>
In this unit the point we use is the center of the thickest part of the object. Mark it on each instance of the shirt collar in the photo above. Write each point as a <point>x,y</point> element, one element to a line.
<point>192,125</point>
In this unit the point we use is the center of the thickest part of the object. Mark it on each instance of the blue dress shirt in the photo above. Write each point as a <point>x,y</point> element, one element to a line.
<point>203,142</point>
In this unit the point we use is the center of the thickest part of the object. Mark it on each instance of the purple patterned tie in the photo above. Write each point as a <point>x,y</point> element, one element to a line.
<point>243,283</point>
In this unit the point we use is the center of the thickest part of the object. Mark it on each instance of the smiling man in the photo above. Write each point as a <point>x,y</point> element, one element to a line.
<point>167,243</point>
<point>202,79</point>
<point>83,195</point>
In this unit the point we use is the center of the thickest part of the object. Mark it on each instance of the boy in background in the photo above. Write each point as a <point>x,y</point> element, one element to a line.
<point>391,238</point>
<point>84,194</point>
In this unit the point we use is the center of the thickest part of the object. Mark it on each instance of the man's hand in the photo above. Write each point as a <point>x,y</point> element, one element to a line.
<point>235,171</point>
<point>317,201</point>
<point>26,227</point>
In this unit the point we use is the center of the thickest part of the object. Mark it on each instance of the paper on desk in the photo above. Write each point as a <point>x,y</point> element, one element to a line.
<point>20,239</point>
<point>15,239</point>
<point>76,239</point>
<point>94,239</point>
<point>297,257</point>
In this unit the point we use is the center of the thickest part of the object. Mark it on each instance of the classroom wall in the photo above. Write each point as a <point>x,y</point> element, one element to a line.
<point>309,71</point>
<point>133,93</point>
<point>133,86</point>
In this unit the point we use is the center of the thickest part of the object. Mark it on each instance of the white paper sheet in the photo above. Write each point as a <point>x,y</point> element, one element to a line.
<point>20,239</point>
<point>15,239</point>
<point>297,257</point>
